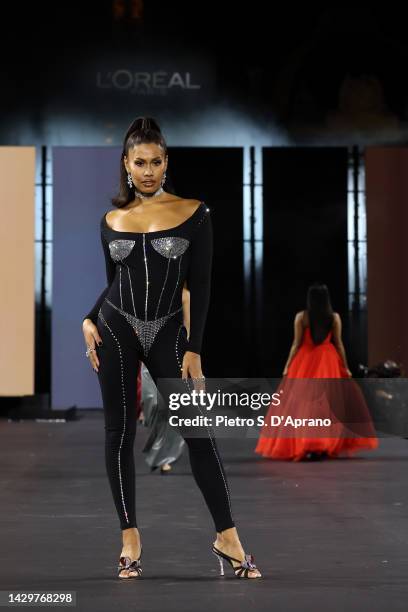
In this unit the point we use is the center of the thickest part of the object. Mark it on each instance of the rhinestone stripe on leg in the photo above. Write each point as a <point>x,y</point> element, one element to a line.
<point>102,318</point>
<point>208,431</point>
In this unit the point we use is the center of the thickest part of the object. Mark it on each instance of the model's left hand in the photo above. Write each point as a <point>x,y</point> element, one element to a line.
<point>192,367</point>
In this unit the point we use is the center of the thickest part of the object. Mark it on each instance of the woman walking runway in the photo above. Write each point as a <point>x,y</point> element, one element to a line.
<point>317,383</point>
<point>152,243</point>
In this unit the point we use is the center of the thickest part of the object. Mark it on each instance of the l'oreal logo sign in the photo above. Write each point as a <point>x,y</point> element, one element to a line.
<point>159,82</point>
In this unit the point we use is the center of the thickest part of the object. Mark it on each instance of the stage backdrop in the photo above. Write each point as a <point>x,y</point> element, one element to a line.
<point>17,266</point>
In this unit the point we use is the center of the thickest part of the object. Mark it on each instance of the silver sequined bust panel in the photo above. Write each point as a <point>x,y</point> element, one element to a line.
<point>119,249</point>
<point>171,247</point>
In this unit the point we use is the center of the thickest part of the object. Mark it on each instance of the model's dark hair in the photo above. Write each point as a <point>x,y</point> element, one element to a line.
<point>320,311</point>
<point>144,130</point>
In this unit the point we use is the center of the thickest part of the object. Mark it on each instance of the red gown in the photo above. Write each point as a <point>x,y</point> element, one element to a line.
<point>302,396</point>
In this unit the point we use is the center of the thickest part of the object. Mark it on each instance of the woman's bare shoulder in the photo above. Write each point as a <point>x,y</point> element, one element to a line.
<point>110,215</point>
<point>336,320</point>
<point>300,316</point>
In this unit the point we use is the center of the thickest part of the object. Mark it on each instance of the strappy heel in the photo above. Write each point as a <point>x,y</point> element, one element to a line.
<point>125,563</point>
<point>242,570</point>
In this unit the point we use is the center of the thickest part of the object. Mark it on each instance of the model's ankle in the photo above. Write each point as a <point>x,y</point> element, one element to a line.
<point>131,546</point>
<point>130,535</point>
<point>130,530</point>
<point>228,535</point>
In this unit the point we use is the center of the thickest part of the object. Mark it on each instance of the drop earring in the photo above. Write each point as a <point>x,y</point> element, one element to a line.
<point>163,178</point>
<point>129,180</point>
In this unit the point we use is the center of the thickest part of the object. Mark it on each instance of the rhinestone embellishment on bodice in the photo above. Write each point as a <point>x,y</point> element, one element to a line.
<point>146,331</point>
<point>170,247</point>
<point>119,249</point>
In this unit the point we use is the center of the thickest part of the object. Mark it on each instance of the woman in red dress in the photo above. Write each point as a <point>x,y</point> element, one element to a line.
<point>317,352</point>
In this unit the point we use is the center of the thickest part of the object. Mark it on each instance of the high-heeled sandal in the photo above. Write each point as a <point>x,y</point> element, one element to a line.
<point>241,570</point>
<point>125,563</point>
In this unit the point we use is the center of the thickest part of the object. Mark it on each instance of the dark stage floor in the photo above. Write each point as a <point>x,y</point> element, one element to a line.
<point>329,535</point>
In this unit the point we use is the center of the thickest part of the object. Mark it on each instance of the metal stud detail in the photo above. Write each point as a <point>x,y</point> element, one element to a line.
<point>171,246</point>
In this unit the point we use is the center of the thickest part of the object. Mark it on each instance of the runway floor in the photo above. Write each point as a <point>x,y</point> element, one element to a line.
<point>330,535</point>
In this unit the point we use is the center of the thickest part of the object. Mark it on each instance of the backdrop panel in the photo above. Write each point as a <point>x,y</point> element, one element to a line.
<point>84,178</point>
<point>387,253</point>
<point>17,270</point>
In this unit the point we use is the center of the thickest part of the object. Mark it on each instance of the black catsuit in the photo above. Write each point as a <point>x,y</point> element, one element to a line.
<point>139,316</point>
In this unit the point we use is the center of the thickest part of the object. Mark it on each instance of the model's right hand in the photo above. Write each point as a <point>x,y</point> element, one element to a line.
<point>92,338</point>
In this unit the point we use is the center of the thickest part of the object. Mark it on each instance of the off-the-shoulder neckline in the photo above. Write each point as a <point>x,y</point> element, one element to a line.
<point>105,223</point>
